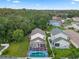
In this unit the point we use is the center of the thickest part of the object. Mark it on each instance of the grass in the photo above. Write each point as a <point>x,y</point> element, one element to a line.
<point>48,46</point>
<point>50,27</point>
<point>17,49</point>
<point>66,53</point>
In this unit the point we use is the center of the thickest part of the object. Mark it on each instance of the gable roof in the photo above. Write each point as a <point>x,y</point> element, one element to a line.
<point>58,39</point>
<point>38,39</point>
<point>57,31</point>
<point>37,30</point>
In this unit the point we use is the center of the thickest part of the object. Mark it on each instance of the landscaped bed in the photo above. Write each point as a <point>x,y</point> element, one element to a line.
<point>17,49</point>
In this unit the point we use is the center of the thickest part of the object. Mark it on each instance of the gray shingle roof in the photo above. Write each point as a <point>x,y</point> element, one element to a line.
<point>57,31</point>
<point>37,30</point>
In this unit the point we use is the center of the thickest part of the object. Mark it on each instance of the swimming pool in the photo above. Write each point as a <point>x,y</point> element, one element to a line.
<point>38,54</point>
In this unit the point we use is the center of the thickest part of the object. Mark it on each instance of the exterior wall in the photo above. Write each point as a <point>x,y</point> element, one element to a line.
<point>55,23</point>
<point>37,35</point>
<point>59,35</point>
<point>63,44</point>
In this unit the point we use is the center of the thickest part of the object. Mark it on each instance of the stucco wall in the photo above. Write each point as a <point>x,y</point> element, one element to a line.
<point>63,44</point>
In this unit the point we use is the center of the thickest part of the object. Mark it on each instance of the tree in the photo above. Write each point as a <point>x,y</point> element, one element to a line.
<point>18,35</point>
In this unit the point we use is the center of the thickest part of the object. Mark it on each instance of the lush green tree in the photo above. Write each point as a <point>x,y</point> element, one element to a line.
<point>18,35</point>
<point>26,20</point>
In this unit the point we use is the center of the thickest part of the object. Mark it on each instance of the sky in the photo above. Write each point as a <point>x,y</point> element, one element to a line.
<point>40,4</point>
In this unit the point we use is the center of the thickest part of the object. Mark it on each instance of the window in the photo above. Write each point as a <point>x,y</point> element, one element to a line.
<point>57,44</point>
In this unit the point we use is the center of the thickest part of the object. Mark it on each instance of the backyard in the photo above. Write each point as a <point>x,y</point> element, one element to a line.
<point>71,53</point>
<point>19,49</point>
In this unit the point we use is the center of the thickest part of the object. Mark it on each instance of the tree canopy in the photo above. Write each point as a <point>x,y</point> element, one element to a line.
<point>13,19</point>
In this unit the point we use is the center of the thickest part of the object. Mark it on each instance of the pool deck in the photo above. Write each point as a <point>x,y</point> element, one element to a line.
<point>40,58</point>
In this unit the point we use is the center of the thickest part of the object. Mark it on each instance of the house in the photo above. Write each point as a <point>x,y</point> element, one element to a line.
<point>56,18</point>
<point>59,39</point>
<point>37,33</point>
<point>37,44</point>
<point>76,26</point>
<point>56,33</point>
<point>55,23</point>
<point>37,38</point>
<point>74,37</point>
<point>75,19</point>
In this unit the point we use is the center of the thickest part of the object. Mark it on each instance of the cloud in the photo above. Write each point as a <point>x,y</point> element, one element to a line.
<point>73,3</point>
<point>8,0</point>
<point>76,0</point>
<point>16,1</point>
<point>37,5</point>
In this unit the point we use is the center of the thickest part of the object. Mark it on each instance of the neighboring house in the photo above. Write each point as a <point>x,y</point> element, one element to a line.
<point>74,37</point>
<point>59,39</point>
<point>76,26</point>
<point>56,18</point>
<point>75,19</point>
<point>73,25</point>
<point>55,23</point>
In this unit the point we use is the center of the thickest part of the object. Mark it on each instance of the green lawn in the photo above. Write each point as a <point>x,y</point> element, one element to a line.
<point>66,53</point>
<point>50,27</point>
<point>48,46</point>
<point>17,49</point>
